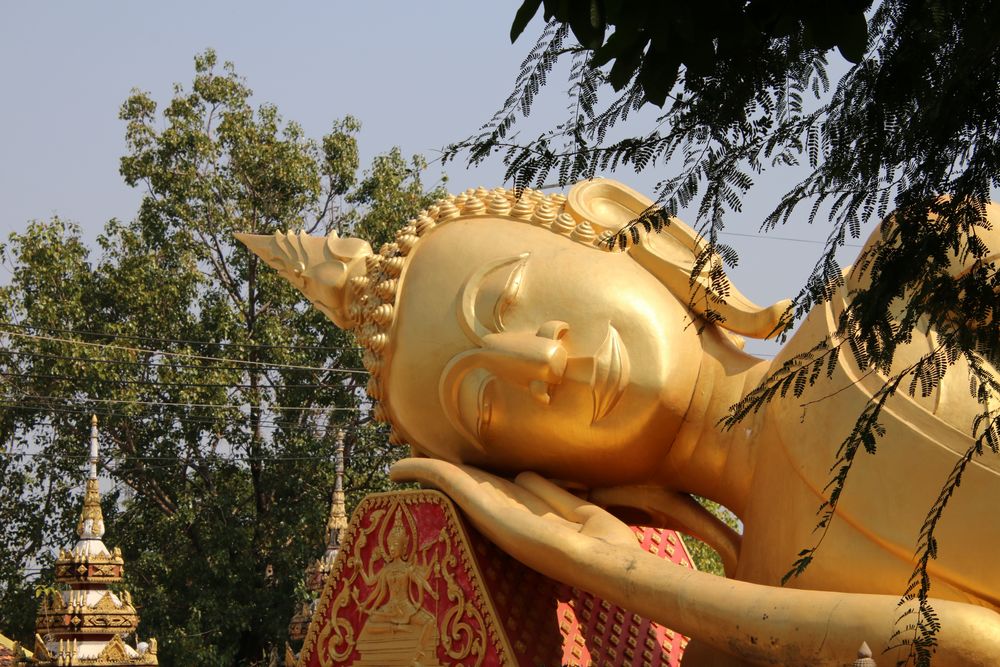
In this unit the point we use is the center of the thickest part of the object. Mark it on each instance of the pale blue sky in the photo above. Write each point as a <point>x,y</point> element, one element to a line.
<point>417,75</point>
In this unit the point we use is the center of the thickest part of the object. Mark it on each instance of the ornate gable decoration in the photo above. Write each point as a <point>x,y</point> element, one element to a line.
<point>413,584</point>
<point>115,651</point>
<point>405,587</point>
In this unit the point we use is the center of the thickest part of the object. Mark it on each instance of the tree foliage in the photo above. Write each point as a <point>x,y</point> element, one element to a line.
<point>219,390</point>
<point>743,87</point>
<point>705,558</point>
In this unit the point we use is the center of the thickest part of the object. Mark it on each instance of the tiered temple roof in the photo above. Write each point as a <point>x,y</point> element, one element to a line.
<point>85,623</point>
<point>320,568</point>
<point>10,651</point>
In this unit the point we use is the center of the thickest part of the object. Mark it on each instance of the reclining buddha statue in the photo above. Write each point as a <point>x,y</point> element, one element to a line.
<point>550,383</point>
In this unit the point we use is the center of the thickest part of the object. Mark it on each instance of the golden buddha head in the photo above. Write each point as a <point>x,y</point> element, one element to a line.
<point>507,332</point>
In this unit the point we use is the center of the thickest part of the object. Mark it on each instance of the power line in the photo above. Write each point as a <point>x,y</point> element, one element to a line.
<point>284,425</point>
<point>210,457</point>
<point>128,401</point>
<point>769,237</point>
<point>155,383</point>
<point>103,334</point>
<point>144,364</point>
<point>183,355</point>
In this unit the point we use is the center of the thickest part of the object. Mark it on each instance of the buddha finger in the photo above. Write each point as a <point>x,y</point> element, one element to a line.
<point>566,504</point>
<point>456,480</point>
<point>477,492</point>
<point>593,521</point>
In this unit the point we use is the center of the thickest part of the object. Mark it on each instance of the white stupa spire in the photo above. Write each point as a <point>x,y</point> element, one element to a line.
<point>91,524</point>
<point>94,446</point>
<point>83,622</point>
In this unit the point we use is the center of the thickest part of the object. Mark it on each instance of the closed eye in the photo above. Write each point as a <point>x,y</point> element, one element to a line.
<point>483,294</point>
<point>475,403</point>
<point>509,294</point>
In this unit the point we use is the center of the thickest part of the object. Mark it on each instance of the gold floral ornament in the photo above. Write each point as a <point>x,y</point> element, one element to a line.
<point>357,289</point>
<point>91,523</point>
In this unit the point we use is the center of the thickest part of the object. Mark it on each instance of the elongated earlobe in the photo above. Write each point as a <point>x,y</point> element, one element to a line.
<point>676,256</point>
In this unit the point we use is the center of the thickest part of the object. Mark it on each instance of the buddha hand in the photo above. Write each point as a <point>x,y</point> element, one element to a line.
<point>568,539</point>
<point>541,524</point>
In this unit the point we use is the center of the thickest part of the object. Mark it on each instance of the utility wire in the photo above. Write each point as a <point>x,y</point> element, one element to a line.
<point>103,334</point>
<point>284,425</point>
<point>768,237</point>
<point>151,364</point>
<point>127,401</point>
<point>210,457</point>
<point>156,383</point>
<point>182,355</point>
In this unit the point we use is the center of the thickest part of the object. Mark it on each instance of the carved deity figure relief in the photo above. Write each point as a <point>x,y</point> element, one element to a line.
<point>396,617</point>
<point>399,603</point>
<point>542,378</point>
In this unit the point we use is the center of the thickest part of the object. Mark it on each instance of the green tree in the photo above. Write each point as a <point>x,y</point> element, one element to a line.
<point>743,87</point>
<point>219,389</point>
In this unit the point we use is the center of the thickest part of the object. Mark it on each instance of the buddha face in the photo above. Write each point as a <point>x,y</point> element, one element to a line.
<point>518,349</point>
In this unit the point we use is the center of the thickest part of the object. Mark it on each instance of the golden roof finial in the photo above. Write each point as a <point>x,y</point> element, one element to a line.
<point>337,523</point>
<point>321,268</point>
<point>864,657</point>
<point>91,523</point>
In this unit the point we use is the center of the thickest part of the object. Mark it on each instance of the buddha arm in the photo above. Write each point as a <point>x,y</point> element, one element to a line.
<point>575,542</point>
<point>678,511</point>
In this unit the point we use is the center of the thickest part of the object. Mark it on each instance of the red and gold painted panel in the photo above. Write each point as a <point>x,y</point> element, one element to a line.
<point>549,623</point>
<point>415,585</point>
<point>404,591</point>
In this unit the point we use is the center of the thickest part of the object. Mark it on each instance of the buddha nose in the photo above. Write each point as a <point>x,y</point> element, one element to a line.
<point>536,361</point>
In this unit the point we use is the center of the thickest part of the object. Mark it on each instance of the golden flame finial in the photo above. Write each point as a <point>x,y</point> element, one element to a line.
<point>337,523</point>
<point>91,523</point>
<point>321,268</point>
